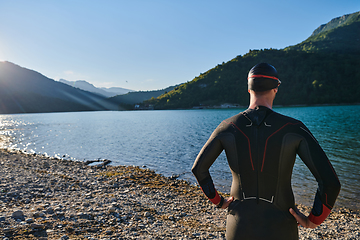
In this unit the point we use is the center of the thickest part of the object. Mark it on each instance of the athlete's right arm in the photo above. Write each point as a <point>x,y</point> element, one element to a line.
<point>208,154</point>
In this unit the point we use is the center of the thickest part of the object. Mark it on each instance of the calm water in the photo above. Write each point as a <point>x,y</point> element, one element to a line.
<point>169,141</point>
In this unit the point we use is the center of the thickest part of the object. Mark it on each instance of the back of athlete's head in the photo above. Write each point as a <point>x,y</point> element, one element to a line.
<point>263,77</point>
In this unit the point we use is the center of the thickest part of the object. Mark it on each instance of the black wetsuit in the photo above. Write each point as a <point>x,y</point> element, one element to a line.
<point>261,147</point>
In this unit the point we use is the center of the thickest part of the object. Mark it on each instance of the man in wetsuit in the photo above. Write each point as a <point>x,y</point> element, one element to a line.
<point>261,147</point>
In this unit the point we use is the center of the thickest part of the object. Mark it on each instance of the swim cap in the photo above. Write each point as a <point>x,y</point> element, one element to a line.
<point>263,77</point>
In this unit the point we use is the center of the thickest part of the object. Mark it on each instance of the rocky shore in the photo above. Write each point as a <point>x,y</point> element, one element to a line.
<point>48,198</point>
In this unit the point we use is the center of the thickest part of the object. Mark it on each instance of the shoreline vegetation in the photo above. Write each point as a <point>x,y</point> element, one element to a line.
<point>50,198</point>
<point>232,106</point>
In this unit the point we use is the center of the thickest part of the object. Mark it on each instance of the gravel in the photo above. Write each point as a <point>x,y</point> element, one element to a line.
<point>50,198</point>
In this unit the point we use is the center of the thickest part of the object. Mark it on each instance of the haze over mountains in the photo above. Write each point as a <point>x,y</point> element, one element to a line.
<point>323,69</point>
<point>121,96</point>
<point>106,92</point>
<point>27,91</point>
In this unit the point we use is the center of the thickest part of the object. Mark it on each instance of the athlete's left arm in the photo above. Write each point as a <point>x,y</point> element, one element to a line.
<point>316,160</point>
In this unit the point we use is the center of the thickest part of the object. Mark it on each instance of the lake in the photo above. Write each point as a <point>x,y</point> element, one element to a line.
<point>169,141</point>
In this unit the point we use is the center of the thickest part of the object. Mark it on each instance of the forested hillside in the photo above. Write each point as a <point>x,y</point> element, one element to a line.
<point>324,69</point>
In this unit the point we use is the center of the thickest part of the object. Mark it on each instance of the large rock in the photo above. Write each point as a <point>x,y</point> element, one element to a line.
<point>18,215</point>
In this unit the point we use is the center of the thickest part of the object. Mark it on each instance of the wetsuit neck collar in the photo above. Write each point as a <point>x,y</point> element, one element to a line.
<point>260,107</point>
<point>257,115</point>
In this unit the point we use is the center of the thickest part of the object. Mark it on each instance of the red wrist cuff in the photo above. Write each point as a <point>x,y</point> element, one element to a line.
<point>319,219</point>
<point>216,200</point>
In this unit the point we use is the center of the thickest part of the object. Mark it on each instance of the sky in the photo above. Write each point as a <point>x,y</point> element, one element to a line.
<point>149,45</point>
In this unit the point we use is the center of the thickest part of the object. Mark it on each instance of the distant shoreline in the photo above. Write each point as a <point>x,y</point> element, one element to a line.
<point>193,108</point>
<point>275,106</point>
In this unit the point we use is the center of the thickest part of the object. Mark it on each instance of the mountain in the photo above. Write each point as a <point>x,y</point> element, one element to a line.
<point>337,22</point>
<point>323,69</point>
<point>27,91</point>
<point>340,35</point>
<point>106,92</point>
<point>117,90</point>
